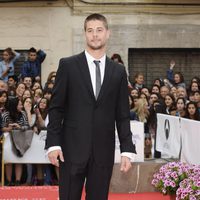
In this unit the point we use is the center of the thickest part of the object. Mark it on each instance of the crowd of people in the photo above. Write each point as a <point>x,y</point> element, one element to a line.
<point>24,103</point>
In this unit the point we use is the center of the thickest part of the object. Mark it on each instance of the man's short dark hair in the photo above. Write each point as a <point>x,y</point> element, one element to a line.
<point>96,16</point>
<point>32,50</point>
<point>14,77</point>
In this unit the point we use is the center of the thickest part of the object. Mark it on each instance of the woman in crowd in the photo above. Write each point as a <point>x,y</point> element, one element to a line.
<point>27,93</point>
<point>145,90</point>
<point>153,98</point>
<point>3,101</point>
<point>14,118</point>
<point>192,111</point>
<point>20,90</point>
<point>41,114</point>
<point>158,81</point>
<point>38,93</point>
<point>50,80</point>
<point>134,92</point>
<point>36,85</point>
<point>7,64</point>
<point>138,81</point>
<point>173,91</point>
<point>117,58</point>
<point>180,107</point>
<point>194,86</point>
<point>169,104</point>
<point>140,111</point>
<point>28,108</point>
<point>155,89</point>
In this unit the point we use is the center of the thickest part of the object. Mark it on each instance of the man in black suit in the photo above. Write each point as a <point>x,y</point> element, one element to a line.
<point>90,95</point>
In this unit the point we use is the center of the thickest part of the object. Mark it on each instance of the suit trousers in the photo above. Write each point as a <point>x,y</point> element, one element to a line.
<point>73,176</point>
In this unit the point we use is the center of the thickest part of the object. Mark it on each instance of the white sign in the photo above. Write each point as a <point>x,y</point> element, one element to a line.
<point>137,129</point>
<point>168,135</point>
<point>37,154</point>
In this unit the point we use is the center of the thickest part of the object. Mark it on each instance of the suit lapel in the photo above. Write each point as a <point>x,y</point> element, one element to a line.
<point>107,77</point>
<point>83,67</point>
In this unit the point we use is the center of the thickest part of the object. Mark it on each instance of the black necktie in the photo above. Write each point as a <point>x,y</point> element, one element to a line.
<point>98,77</point>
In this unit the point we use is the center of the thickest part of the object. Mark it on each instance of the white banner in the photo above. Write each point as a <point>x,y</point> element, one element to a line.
<point>190,131</point>
<point>168,135</point>
<point>137,128</point>
<point>36,153</point>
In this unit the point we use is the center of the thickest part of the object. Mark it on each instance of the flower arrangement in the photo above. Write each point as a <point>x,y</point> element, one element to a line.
<point>178,178</point>
<point>189,188</point>
<point>169,176</point>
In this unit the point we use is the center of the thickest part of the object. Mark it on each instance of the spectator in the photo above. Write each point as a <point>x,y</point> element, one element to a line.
<point>47,94</point>
<point>140,111</point>
<point>41,115</point>
<point>50,79</point>
<point>173,91</point>
<point>181,92</point>
<point>164,90</point>
<point>155,89</point>
<point>28,108</point>
<point>145,90</point>
<point>14,118</point>
<point>159,82</point>
<point>117,58</point>
<point>3,86</point>
<point>3,101</point>
<point>180,107</point>
<point>177,78</point>
<point>28,81</point>
<point>134,92</point>
<point>194,86</point>
<point>138,81</point>
<point>169,104</point>
<point>27,93</point>
<point>153,98</point>
<point>192,111</point>
<point>197,99</point>
<point>38,94</point>
<point>12,81</point>
<point>32,67</point>
<point>20,90</point>
<point>7,64</point>
<point>36,85</point>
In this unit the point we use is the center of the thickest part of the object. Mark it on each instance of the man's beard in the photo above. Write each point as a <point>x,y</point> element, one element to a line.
<point>98,47</point>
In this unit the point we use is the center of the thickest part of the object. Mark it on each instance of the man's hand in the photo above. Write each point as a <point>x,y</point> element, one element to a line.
<point>125,164</point>
<point>54,157</point>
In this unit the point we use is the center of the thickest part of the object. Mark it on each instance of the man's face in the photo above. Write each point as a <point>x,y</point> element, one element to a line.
<point>32,56</point>
<point>164,91</point>
<point>28,82</point>
<point>11,82</point>
<point>96,35</point>
<point>181,92</point>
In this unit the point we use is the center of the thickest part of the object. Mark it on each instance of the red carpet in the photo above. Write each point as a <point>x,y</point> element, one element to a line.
<point>51,193</point>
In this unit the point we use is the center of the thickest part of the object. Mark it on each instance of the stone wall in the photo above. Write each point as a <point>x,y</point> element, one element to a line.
<point>54,28</point>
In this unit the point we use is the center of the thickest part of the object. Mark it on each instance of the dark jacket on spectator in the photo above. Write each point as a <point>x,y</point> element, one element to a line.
<point>33,69</point>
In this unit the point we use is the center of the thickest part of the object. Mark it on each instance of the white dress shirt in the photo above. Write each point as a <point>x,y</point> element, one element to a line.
<point>92,70</point>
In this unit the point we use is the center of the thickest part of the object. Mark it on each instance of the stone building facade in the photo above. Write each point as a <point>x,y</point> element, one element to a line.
<point>57,28</point>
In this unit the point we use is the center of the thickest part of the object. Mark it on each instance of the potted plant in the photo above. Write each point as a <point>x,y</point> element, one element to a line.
<point>169,176</point>
<point>189,188</point>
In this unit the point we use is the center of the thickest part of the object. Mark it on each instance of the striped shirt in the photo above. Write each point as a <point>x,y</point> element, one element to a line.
<point>6,119</point>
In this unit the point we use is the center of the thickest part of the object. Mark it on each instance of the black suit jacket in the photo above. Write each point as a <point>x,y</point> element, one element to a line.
<point>82,125</point>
